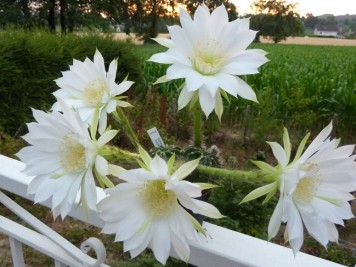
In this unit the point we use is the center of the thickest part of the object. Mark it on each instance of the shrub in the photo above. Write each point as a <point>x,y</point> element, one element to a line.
<point>249,218</point>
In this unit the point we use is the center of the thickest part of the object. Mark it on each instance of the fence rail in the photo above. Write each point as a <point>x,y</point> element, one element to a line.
<point>223,247</point>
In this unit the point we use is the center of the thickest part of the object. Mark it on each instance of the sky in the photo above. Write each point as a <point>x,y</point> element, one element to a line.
<point>316,7</point>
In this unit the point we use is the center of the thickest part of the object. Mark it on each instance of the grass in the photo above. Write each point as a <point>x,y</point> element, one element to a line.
<point>301,87</point>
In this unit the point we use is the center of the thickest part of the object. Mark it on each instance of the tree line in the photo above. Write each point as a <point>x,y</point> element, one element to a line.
<point>146,18</point>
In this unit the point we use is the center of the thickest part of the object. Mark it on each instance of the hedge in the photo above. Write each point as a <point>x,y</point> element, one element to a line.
<point>31,61</point>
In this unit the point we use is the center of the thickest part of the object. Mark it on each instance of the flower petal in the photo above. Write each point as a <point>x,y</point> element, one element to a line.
<point>101,165</point>
<point>161,241</point>
<point>294,227</point>
<point>164,41</point>
<point>207,102</point>
<point>201,207</point>
<point>245,91</point>
<point>245,63</point>
<point>279,153</point>
<point>219,107</point>
<point>158,166</point>
<point>184,97</point>
<point>276,219</point>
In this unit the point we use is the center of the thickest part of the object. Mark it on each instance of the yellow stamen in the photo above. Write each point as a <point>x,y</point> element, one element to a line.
<point>208,58</point>
<point>72,154</point>
<point>94,91</point>
<point>306,189</point>
<point>157,199</point>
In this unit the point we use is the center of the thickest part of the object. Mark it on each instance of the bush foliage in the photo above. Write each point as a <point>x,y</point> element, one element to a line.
<point>249,218</point>
<point>30,61</point>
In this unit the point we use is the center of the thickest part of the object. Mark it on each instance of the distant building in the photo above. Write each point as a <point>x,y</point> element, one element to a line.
<point>326,30</point>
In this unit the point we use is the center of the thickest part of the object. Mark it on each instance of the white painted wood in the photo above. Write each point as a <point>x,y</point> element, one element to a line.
<point>80,255</point>
<point>14,181</point>
<point>16,252</point>
<point>58,264</point>
<point>226,248</point>
<point>37,241</point>
<point>223,248</point>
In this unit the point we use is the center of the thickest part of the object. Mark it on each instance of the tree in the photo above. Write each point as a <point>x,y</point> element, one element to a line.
<point>311,21</point>
<point>148,17</point>
<point>154,13</point>
<point>129,13</point>
<point>276,19</point>
<point>192,5</point>
<point>51,15</point>
<point>17,13</point>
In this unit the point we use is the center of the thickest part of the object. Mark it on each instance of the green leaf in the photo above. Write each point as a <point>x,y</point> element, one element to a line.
<point>196,224</point>
<point>186,169</point>
<point>204,186</point>
<point>225,95</point>
<point>143,165</point>
<point>94,123</point>
<point>101,184</point>
<point>116,170</point>
<point>170,163</point>
<point>145,157</point>
<point>286,143</point>
<point>259,192</point>
<point>301,147</point>
<point>270,194</point>
<point>103,180</point>
<point>123,104</point>
<point>106,137</point>
<point>219,107</point>
<point>180,87</point>
<point>266,167</point>
<point>83,201</point>
<point>162,79</point>
<point>193,100</point>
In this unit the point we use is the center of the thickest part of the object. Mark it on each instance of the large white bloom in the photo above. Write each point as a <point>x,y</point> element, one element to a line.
<point>314,188</point>
<point>62,156</point>
<point>147,209</point>
<point>208,52</point>
<point>87,86</point>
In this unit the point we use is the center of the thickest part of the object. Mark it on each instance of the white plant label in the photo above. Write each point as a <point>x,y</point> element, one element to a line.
<point>155,137</point>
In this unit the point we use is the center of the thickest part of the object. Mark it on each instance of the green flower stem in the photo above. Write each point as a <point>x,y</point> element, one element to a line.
<point>121,118</point>
<point>251,176</point>
<point>114,153</point>
<point>197,125</point>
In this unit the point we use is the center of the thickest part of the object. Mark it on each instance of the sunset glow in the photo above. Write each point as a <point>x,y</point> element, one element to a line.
<point>316,7</point>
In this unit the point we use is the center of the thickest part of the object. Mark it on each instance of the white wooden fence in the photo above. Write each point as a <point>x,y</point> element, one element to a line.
<point>224,248</point>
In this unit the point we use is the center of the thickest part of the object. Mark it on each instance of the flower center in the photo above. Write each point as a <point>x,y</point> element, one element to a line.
<point>157,199</point>
<point>73,156</point>
<point>306,189</point>
<point>309,167</point>
<point>208,58</point>
<point>94,91</point>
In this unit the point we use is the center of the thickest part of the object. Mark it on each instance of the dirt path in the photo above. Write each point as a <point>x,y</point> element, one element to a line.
<point>289,40</point>
<point>315,41</point>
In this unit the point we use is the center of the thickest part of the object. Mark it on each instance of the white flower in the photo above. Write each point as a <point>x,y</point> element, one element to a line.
<point>144,210</point>
<point>62,156</point>
<point>208,52</point>
<point>87,86</point>
<point>314,188</point>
